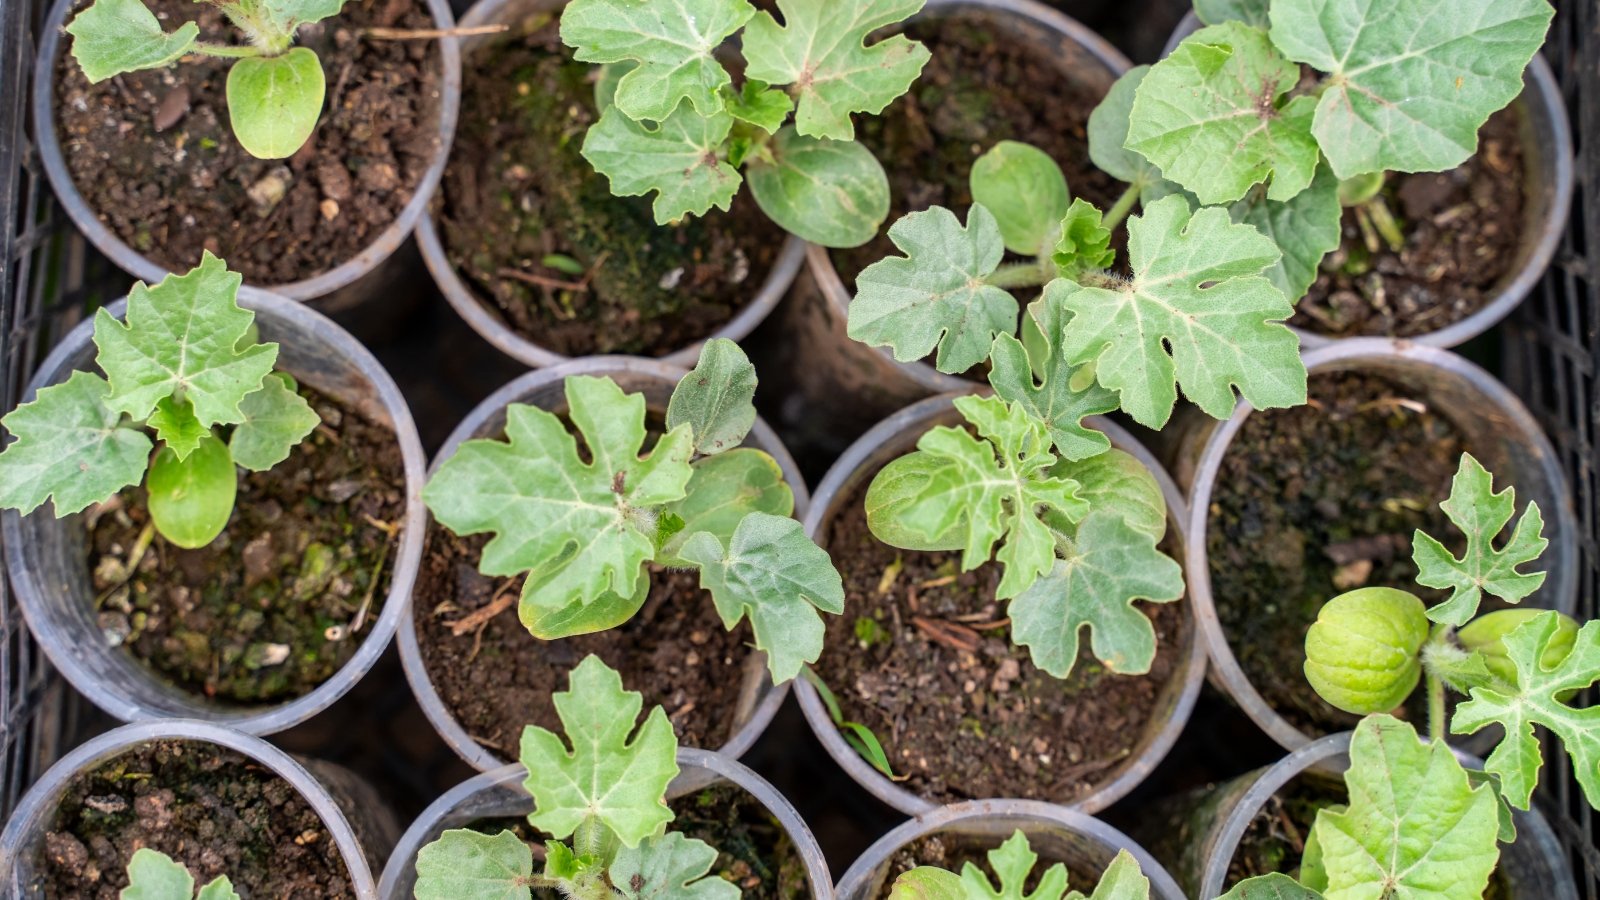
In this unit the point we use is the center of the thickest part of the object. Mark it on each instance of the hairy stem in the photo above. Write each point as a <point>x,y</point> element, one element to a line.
<point>1436,713</point>
<point>1122,207</point>
<point>1019,275</point>
<point>227,52</point>
<point>1385,222</point>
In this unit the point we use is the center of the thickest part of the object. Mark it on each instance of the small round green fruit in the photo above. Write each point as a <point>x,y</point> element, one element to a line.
<point>1484,634</point>
<point>1362,652</point>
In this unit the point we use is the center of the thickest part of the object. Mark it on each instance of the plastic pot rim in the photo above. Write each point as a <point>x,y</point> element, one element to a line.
<point>719,764</point>
<point>491,326</point>
<point>854,880</point>
<point>1532,827</point>
<point>1561,522</point>
<point>348,272</point>
<point>818,260</point>
<point>1543,93</point>
<point>416,669</point>
<point>1192,673</point>
<point>41,798</point>
<point>266,719</point>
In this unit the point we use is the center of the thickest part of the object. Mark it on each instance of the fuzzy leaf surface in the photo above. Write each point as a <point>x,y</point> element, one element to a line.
<point>928,883</point>
<point>995,489</point>
<point>1102,571</point>
<point>1115,480</point>
<point>833,193</point>
<point>1481,514</point>
<point>1025,190</point>
<point>276,420</point>
<point>1410,81</point>
<point>116,36</point>
<point>1415,827</point>
<point>1197,288</point>
<point>1208,117</point>
<point>821,49</point>
<point>1034,373</point>
<point>463,864</point>
<point>1306,228</point>
<point>771,572</point>
<point>274,102</point>
<point>678,159</point>
<point>69,446</point>
<point>1538,700</point>
<point>765,107</point>
<point>722,491</point>
<point>935,295</point>
<point>717,398</point>
<point>175,424</point>
<point>1084,244</point>
<point>153,875</point>
<point>670,867</point>
<point>294,13</point>
<point>605,777</point>
<point>1274,886</point>
<point>1108,134</point>
<point>182,337</point>
<point>1215,12</point>
<point>572,525</point>
<point>672,42</point>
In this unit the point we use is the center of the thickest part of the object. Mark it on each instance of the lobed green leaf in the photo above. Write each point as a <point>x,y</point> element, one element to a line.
<point>1272,886</point>
<point>680,159</point>
<point>1033,373</point>
<point>116,36</point>
<point>716,400</point>
<point>276,420</point>
<point>606,777</point>
<point>1481,514</point>
<point>1410,82</point>
<point>935,295</point>
<point>670,867</point>
<point>467,865</point>
<point>821,50</point>
<point>289,15</point>
<point>70,446</point>
<point>1306,228</point>
<point>722,491</point>
<point>672,43</point>
<point>772,573</point>
<point>833,193</point>
<point>1084,244</point>
<point>1215,12</point>
<point>1196,313</point>
<point>764,107</point>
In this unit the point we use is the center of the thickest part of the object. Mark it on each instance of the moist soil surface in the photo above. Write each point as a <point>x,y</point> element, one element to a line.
<point>154,155</point>
<point>982,86</point>
<point>213,810</point>
<point>953,852</point>
<point>928,664</point>
<point>536,233</point>
<point>1462,229</point>
<point>271,608</point>
<point>1315,501</point>
<point>499,679</point>
<point>753,852</point>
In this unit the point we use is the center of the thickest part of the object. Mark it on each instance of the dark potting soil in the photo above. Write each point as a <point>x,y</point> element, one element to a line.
<point>1315,501</point>
<point>953,852</point>
<point>499,678</point>
<point>213,810</point>
<point>155,157</point>
<point>1462,229</point>
<point>982,86</point>
<point>1275,839</point>
<point>753,852</point>
<point>284,597</point>
<point>923,656</point>
<point>535,230</point>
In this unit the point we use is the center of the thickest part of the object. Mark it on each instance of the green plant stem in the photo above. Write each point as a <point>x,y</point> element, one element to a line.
<point>1385,222</point>
<point>1019,275</point>
<point>227,52</point>
<point>1122,207</point>
<point>1436,713</point>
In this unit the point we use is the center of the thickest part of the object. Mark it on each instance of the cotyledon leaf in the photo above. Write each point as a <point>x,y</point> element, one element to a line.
<point>833,193</point>
<point>274,102</point>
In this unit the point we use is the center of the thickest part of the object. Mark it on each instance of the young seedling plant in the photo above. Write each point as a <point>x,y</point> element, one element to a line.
<point>187,366</point>
<point>153,875</point>
<point>674,123</point>
<point>600,796</point>
<point>1013,863</point>
<point>275,89</point>
<point>582,531</point>
<point>1403,86</point>
<point>1418,823</point>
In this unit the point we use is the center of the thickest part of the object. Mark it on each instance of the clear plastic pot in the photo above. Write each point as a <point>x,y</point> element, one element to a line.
<point>1083,842</point>
<point>827,363</point>
<point>898,435</point>
<point>48,564</point>
<point>1217,820</point>
<point>499,793</point>
<point>486,320</point>
<point>759,698</point>
<point>363,839</point>
<point>1547,191</point>
<point>338,288</point>
<point>1497,428</point>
